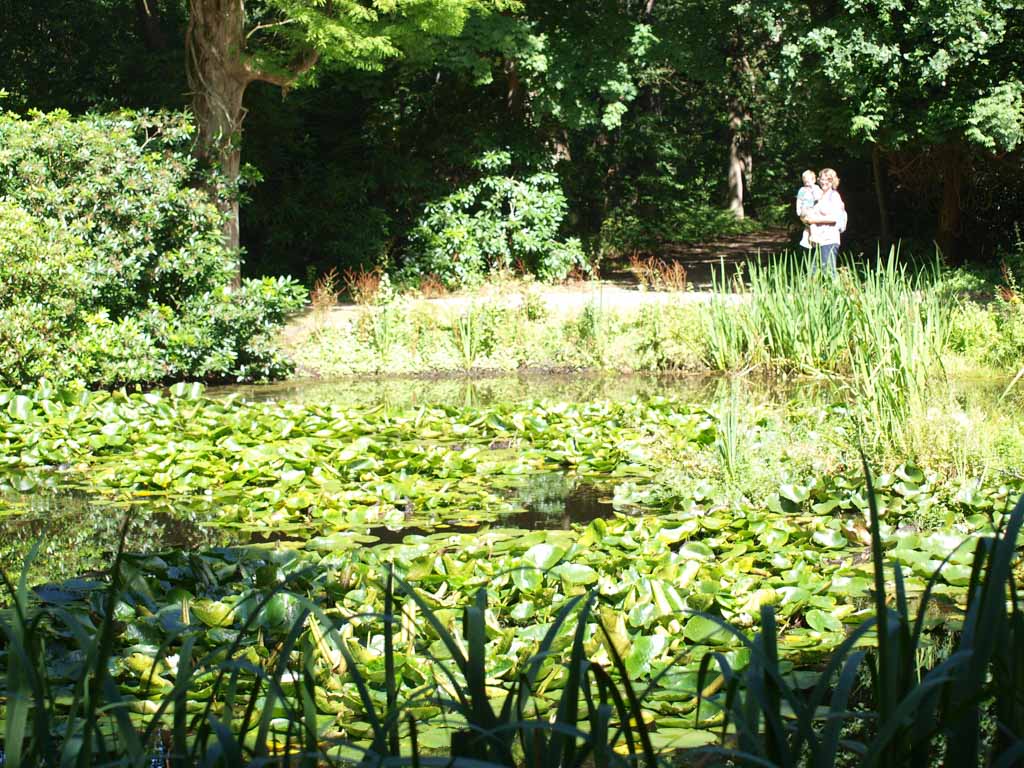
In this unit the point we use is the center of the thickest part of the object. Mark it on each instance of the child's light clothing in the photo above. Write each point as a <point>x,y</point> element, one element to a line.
<point>806,197</point>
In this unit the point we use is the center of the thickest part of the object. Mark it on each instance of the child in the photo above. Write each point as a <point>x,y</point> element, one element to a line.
<point>806,197</point>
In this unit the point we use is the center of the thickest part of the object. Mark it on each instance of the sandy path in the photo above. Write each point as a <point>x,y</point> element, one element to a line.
<point>619,291</point>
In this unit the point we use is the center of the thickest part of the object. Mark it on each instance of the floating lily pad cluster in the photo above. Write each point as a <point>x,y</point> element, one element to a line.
<point>659,581</point>
<point>665,569</point>
<point>295,469</point>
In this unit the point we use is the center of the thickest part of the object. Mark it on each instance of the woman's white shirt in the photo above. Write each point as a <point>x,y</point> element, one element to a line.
<point>831,206</point>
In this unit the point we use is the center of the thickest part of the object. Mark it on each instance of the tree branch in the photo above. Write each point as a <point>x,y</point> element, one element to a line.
<point>258,27</point>
<point>298,66</point>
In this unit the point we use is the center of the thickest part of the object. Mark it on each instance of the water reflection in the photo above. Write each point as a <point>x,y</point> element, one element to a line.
<point>398,394</point>
<point>79,533</point>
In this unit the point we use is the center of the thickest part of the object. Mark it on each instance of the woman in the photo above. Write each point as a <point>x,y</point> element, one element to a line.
<point>827,219</point>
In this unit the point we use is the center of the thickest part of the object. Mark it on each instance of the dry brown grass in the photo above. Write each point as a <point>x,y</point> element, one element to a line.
<point>579,275</point>
<point>363,284</point>
<point>325,292</point>
<point>431,287</point>
<point>672,275</point>
<point>1008,291</point>
<point>658,274</point>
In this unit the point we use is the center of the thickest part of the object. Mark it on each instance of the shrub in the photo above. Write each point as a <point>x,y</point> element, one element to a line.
<point>498,222</point>
<point>114,267</point>
<point>232,333</point>
<point>625,231</point>
<point>42,287</point>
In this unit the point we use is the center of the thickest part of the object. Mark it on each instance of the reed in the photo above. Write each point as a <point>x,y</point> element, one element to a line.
<point>909,715</point>
<point>880,331</point>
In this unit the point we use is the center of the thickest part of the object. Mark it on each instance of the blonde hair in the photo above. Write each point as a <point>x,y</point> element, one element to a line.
<point>808,177</point>
<point>830,176</point>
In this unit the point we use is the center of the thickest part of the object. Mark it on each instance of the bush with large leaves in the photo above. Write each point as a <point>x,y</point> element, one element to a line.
<point>500,221</point>
<point>42,286</point>
<point>119,273</point>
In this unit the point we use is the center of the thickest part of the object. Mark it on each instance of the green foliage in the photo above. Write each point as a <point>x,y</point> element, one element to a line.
<point>57,62</point>
<point>42,290</point>
<point>944,73</point>
<point>123,185</point>
<point>114,260</point>
<point>882,328</point>
<point>992,335</point>
<point>625,231</point>
<point>353,35</point>
<point>474,334</point>
<point>496,223</point>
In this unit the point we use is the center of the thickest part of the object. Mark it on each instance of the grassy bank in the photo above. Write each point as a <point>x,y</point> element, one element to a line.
<point>878,318</point>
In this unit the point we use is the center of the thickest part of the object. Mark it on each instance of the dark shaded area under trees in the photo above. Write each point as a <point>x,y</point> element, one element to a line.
<point>656,114</point>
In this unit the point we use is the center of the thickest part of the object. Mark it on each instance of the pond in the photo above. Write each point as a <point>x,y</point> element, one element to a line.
<point>664,497</point>
<point>79,529</point>
<point>78,526</point>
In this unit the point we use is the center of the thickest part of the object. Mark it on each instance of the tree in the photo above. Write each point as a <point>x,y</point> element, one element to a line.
<point>726,47</point>
<point>231,44</point>
<point>938,82</point>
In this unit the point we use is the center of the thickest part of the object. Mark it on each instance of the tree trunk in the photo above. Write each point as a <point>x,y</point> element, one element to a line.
<point>737,163</point>
<point>949,210</point>
<point>148,14</point>
<point>885,235</point>
<point>217,75</point>
<point>515,96</point>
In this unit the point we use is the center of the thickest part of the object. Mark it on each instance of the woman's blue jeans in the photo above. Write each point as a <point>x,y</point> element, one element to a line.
<point>827,255</point>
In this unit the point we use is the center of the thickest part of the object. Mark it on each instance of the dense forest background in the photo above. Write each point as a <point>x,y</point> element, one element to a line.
<point>622,124</point>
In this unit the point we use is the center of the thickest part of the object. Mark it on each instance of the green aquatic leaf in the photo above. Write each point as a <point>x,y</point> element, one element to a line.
<point>696,550</point>
<point>825,507</point>
<point>820,621</point>
<point>527,579</point>
<point>19,407</point>
<point>704,631</point>
<point>192,390</point>
<point>795,493</point>
<point>910,474</point>
<point>666,738</point>
<point>830,539</point>
<point>957,575</point>
<point>576,573</point>
<point>543,556</point>
<point>213,613</point>
<point>643,651</point>
<point>281,611</point>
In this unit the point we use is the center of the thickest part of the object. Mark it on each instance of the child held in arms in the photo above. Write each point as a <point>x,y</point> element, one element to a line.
<point>806,197</point>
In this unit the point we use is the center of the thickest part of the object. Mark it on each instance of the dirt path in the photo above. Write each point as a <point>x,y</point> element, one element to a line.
<point>618,289</point>
<point>703,260</point>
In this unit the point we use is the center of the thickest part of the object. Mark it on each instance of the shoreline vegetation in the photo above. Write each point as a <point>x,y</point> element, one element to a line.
<point>767,319</point>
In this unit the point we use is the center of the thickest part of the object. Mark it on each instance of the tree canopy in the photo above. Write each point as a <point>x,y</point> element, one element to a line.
<point>654,115</point>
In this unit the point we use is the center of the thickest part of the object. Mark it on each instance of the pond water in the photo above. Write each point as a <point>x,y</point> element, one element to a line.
<point>400,394</point>
<point>671,498</point>
<point>78,531</point>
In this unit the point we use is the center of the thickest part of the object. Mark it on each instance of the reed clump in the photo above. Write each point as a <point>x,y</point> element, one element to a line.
<point>879,330</point>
